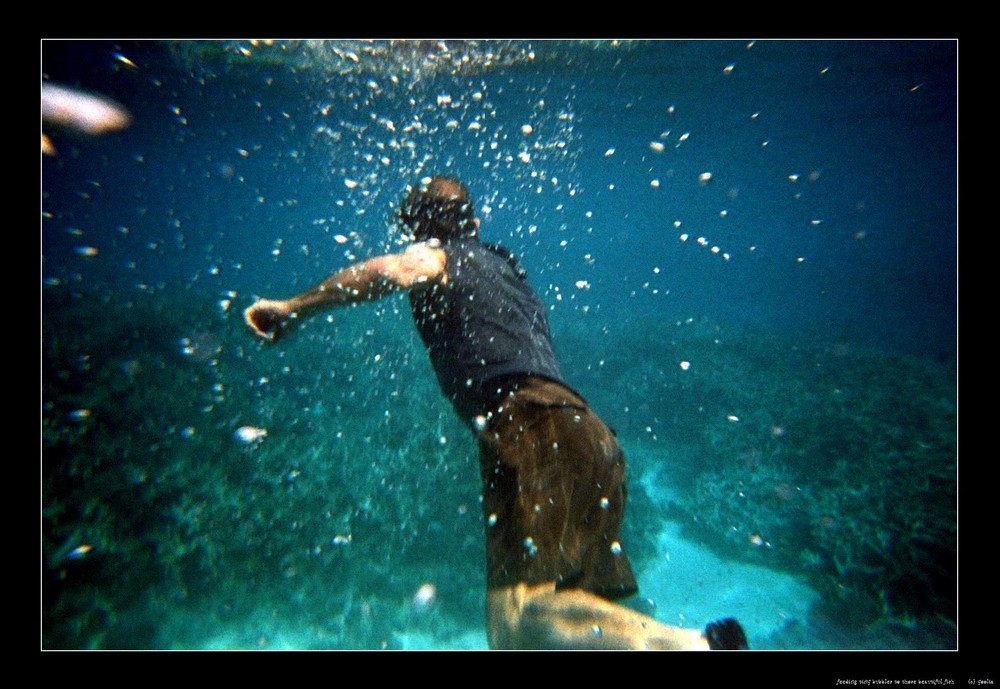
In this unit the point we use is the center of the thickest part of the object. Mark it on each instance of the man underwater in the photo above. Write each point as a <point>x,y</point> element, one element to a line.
<point>553,473</point>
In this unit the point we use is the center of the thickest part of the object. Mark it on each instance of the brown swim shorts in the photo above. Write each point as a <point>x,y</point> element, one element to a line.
<point>553,493</point>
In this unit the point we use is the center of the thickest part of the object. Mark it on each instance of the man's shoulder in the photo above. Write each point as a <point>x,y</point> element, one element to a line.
<point>421,264</point>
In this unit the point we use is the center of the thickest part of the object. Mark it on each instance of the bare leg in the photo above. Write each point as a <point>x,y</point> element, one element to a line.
<point>538,616</point>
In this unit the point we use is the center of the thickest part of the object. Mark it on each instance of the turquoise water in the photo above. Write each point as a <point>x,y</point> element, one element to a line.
<point>749,251</point>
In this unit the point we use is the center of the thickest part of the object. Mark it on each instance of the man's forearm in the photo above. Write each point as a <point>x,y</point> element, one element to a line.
<point>361,282</point>
<point>419,266</point>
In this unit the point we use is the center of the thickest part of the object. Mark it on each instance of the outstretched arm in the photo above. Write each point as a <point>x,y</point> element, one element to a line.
<point>420,266</point>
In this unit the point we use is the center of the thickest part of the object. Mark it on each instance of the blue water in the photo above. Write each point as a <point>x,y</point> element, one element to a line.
<point>874,122</point>
<point>781,215</point>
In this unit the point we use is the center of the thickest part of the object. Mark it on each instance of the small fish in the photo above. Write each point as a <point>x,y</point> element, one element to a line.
<point>124,60</point>
<point>424,597</point>
<point>82,112</point>
<point>250,434</point>
<point>79,552</point>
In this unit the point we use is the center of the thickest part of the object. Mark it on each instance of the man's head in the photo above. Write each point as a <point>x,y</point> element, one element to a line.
<point>441,209</point>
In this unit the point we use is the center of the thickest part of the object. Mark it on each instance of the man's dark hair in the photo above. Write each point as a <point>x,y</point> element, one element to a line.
<point>441,210</point>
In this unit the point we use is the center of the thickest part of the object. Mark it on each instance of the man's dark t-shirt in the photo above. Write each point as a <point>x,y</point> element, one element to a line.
<point>485,325</point>
<point>553,473</point>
